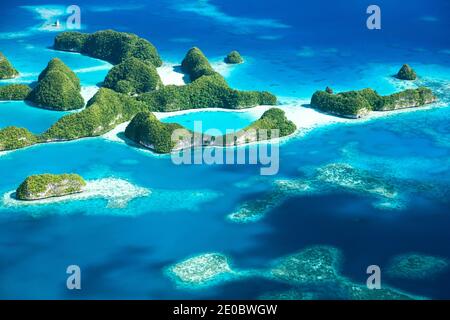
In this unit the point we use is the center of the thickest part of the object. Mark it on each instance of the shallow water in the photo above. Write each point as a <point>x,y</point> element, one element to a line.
<point>124,251</point>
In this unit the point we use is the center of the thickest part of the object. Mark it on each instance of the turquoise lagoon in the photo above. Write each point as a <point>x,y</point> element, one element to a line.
<point>124,251</point>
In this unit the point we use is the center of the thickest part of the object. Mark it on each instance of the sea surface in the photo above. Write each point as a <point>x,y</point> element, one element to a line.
<point>291,48</point>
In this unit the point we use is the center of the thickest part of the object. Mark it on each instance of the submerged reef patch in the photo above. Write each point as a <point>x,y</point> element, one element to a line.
<point>312,273</point>
<point>415,266</point>
<point>202,270</point>
<point>345,176</point>
<point>325,179</point>
<point>313,264</point>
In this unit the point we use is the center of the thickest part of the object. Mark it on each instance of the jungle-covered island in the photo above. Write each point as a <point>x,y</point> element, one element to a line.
<point>44,186</point>
<point>406,73</point>
<point>234,57</point>
<point>7,71</point>
<point>357,104</point>
<point>15,138</point>
<point>109,45</point>
<point>132,77</point>
<point>146,130</point>
<point>58,88</point>
<point>15,91</point>
<point>134,87</point>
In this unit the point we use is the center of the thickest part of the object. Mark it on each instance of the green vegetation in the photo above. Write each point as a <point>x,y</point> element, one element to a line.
<point>355,104</point>
<point>195,64</point>
<point>58,88</point>
<point>103,112</point>
<point>14,92</point>
<point>43,186</point>
<point>406,73</point>
<point>133,76</point>
<point>109,45</point>
<point>147,130</point>
<point>16,138</point>
<point>109,108</point>
<point>273,119</point>
<point>407,98</point>
<point>57,65</point>
<point>7,71</point>
<point>207,91</point>
<point>233,58</point>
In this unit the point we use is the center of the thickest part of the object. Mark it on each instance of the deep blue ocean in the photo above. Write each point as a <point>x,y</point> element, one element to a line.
<point>291,48</point>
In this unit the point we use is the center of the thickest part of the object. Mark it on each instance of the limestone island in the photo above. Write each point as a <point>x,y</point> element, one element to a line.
<point>14,92</point>
<point>406,73</point>
<point>7,71</point>
<point>133,76</point>
<point>109,108</point>
<point>44,186</point>
<point>15,138</point>
<point>146,130</point>
<point>359,103</point>
<point>234,57</point>
<point>108,45</point>
<point>58,88</point>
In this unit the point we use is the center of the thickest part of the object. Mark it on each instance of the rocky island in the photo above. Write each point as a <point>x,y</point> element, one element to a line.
<point>7,71</point>
<point>207,88</point>
<point>58,88</point>
<point>406,73</point>
<point>356,104</point>
<point>44,186</point>
<point>133,76</point>
<point>234,57</point>
<point>109,108</point>
<point>14,92</point>
<point>109,45</point>
<point>15,138</point>
<point>146,130</point>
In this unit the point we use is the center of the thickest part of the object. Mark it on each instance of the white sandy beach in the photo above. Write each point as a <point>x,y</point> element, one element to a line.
<point>169,74</point>
<point>88,92</point>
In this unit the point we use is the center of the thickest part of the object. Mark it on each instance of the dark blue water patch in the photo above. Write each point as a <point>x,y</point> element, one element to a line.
<point>365,235</point>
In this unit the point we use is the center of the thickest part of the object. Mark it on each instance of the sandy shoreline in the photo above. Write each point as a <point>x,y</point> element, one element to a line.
<point>170,74</point>
<point>304,118</point>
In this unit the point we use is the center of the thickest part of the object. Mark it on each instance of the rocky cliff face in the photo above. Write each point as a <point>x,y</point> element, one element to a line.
<point>7,71</point>
<point>49,185</point>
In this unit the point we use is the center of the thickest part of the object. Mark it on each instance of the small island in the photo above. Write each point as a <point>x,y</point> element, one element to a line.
<point>108,45</point>
<point>58,88</point>
<point>146,130</point>
<point>44,186</point>
<point>14,92</point>
<point>357,104</point>
<point>15,138</point>
<point>195,64</point>
<point>406,73</point>
<point>234,57</point>
<point>7,71</point>
<point>133,76</point>
<point>109,108</point>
